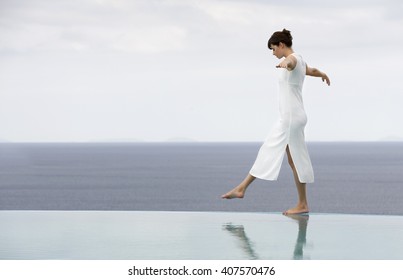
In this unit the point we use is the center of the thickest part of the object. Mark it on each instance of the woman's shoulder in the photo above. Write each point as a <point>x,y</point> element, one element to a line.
<point>299,58</point>
<point>296,55</point>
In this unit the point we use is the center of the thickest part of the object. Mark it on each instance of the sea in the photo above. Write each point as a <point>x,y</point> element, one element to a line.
<point>350,177</point>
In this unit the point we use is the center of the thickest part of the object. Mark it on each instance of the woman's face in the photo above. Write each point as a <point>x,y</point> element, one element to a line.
<point>278,50</point>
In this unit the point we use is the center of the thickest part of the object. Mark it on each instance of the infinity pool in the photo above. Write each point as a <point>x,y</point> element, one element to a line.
<point>108,235</point>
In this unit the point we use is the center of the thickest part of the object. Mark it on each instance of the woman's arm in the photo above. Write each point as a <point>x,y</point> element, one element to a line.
<point>310,71</point>
<point>288,63</point>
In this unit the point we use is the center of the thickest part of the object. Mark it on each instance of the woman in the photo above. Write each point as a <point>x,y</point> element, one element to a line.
<point>288,133</point>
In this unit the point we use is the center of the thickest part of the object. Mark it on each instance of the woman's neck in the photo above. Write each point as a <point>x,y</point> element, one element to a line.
<point>288,51</point>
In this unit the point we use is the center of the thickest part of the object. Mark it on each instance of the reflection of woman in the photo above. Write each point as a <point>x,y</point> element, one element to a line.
<point>301,239</point>
<point>245,243</point>
<point>288,134</point>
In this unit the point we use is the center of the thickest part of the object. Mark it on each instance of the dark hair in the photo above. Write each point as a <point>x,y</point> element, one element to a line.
<point>280,37</point>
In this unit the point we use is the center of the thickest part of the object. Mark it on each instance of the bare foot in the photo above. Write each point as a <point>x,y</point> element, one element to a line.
<point>298,210</point>
<point>237,192</point>
<point>299,217</point>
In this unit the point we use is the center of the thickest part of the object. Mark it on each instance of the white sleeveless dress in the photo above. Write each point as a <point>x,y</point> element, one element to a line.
<point>289,130</point>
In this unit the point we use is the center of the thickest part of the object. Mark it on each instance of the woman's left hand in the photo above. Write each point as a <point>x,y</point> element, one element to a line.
<point>288,63</point>
<point>283,64</point>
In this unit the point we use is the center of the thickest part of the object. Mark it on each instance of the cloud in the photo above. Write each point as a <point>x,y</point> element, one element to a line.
<point>150,39</point>
<point>114,68</point>
<point>173,25</point>
<point>88,25</point>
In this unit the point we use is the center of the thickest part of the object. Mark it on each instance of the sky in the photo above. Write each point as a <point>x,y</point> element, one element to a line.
<point>195,70</point>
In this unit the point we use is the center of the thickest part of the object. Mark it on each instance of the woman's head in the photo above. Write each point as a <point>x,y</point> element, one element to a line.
<point>280,37</point>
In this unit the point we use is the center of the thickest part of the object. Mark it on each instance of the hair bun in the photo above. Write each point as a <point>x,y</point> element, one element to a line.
<point>287,32</point>
<point>280,37</point>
